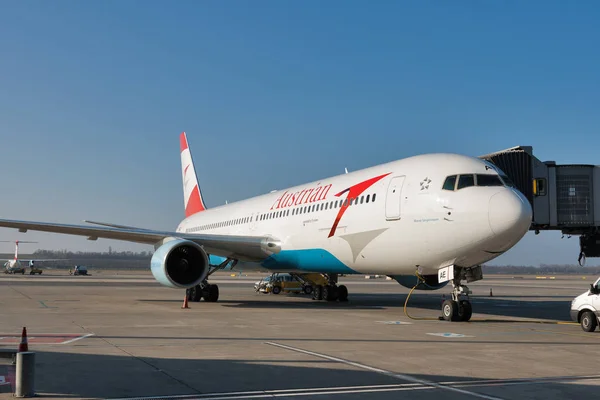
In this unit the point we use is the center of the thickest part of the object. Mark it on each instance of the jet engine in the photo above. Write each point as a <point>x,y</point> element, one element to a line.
<point>179,264</point>
<point>409,281</point>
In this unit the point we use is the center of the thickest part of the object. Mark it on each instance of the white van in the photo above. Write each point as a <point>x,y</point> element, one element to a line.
<point>585,308</point>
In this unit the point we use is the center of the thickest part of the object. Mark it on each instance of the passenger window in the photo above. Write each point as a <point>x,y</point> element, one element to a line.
<point>465,181</point>
<point>367,199</point>
<point>374,194</point>
<point>449,183</point>
<point>362,199</point>
<point>488,180</point>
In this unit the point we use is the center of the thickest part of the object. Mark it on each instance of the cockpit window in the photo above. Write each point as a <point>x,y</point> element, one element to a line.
<point>507,181</point>
<point>465,181</point>
<point>449,182</point>
<point>488,180</point>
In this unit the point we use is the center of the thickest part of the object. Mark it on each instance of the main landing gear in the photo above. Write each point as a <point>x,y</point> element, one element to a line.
<point>208,292</point>
<point>459,307</point>
<point>330,291</point>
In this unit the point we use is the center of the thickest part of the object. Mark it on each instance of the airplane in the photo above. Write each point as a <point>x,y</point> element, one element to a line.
<point>15,265</point>
<point>425,221</point>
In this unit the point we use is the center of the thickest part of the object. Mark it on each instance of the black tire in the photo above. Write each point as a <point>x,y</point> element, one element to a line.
<point>334,293</point>
<point>450,310</point>
<point>588,321</point>
<point>342,293</point>
<point>211,293</point>
<point>276,290</point>
<point>326,293</point>
<point>196,293</point>
<point>465,310</point>
<point>308,289</point>
<point>318,292</point>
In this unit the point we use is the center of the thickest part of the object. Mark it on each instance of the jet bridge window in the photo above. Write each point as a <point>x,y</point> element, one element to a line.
<point>488,180</point>
<point>465,181</point>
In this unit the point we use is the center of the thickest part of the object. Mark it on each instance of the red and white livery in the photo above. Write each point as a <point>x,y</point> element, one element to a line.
<point>426,221</point>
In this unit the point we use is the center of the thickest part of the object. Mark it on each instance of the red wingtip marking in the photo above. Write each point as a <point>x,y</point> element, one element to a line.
<point>183,141</point>
<point>194,205</point>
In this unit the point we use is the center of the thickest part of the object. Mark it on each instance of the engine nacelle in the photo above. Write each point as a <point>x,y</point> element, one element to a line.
<point>409,281</point>
<point>179,264</point>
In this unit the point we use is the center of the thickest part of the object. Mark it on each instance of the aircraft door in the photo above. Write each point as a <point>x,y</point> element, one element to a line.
<point>393,198</point>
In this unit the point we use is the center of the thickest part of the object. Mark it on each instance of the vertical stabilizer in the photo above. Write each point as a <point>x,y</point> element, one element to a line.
<point>17,246</point>
<point>192,196</point>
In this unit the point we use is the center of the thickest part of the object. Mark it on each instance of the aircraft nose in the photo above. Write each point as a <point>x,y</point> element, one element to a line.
<point>509,213</point>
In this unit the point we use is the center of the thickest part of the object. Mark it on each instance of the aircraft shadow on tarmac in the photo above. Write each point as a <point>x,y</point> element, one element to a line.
<point>505,306</point>
<point>71,375</point>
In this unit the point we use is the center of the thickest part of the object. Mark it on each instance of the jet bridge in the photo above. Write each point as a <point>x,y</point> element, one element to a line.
<point>564,198</point>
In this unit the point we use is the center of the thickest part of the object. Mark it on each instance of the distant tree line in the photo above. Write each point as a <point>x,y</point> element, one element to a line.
<point>91,254</point>
<point>541,270</point>
<point>141,260</point>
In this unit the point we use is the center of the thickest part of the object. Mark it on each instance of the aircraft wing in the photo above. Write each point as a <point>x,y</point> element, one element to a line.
<point>246,248</point>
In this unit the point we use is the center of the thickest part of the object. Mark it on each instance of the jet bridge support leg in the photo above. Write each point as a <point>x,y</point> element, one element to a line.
<point>210,292</point>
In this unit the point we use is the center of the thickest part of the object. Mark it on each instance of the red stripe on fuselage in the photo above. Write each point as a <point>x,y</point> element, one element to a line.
<point>353,192</point>
<point>194,204</point>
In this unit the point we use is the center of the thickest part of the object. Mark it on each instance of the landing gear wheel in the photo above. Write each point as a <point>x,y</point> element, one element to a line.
<point>211,293</point>
<point>194,293</point>
<point>308,289</point>
<point>465,310</point>
<point>450,310</point>
<point>330,293</point>
<point>588,321</point>
<point>342,293</point>
<point>276,290</point>
<point>326,293</point>
<point>318,293</point>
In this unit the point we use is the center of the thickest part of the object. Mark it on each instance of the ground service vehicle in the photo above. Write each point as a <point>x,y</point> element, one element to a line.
<point>282,282</point>
<point>585,308</point>
<point>79,270</point>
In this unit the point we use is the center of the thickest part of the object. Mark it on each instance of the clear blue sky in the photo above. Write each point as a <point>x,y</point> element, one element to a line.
<point>93,96</point>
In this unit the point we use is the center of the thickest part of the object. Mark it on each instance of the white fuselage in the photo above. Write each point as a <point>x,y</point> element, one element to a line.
<point>402,219</point>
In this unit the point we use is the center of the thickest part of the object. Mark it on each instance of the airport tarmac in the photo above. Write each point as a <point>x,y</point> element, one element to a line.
<point>122,335</point>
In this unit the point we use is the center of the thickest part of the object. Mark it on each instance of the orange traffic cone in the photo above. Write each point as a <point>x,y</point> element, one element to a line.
<point>185,302</point>
<point>23,345</point>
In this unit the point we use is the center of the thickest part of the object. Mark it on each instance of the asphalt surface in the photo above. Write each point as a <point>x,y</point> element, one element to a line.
<point>121,335</point>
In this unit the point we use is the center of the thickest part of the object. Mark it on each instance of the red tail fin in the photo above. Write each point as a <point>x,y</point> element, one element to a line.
<point>192,196</point>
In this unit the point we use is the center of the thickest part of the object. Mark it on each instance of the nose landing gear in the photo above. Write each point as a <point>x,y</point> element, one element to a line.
<point>459,307</point>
